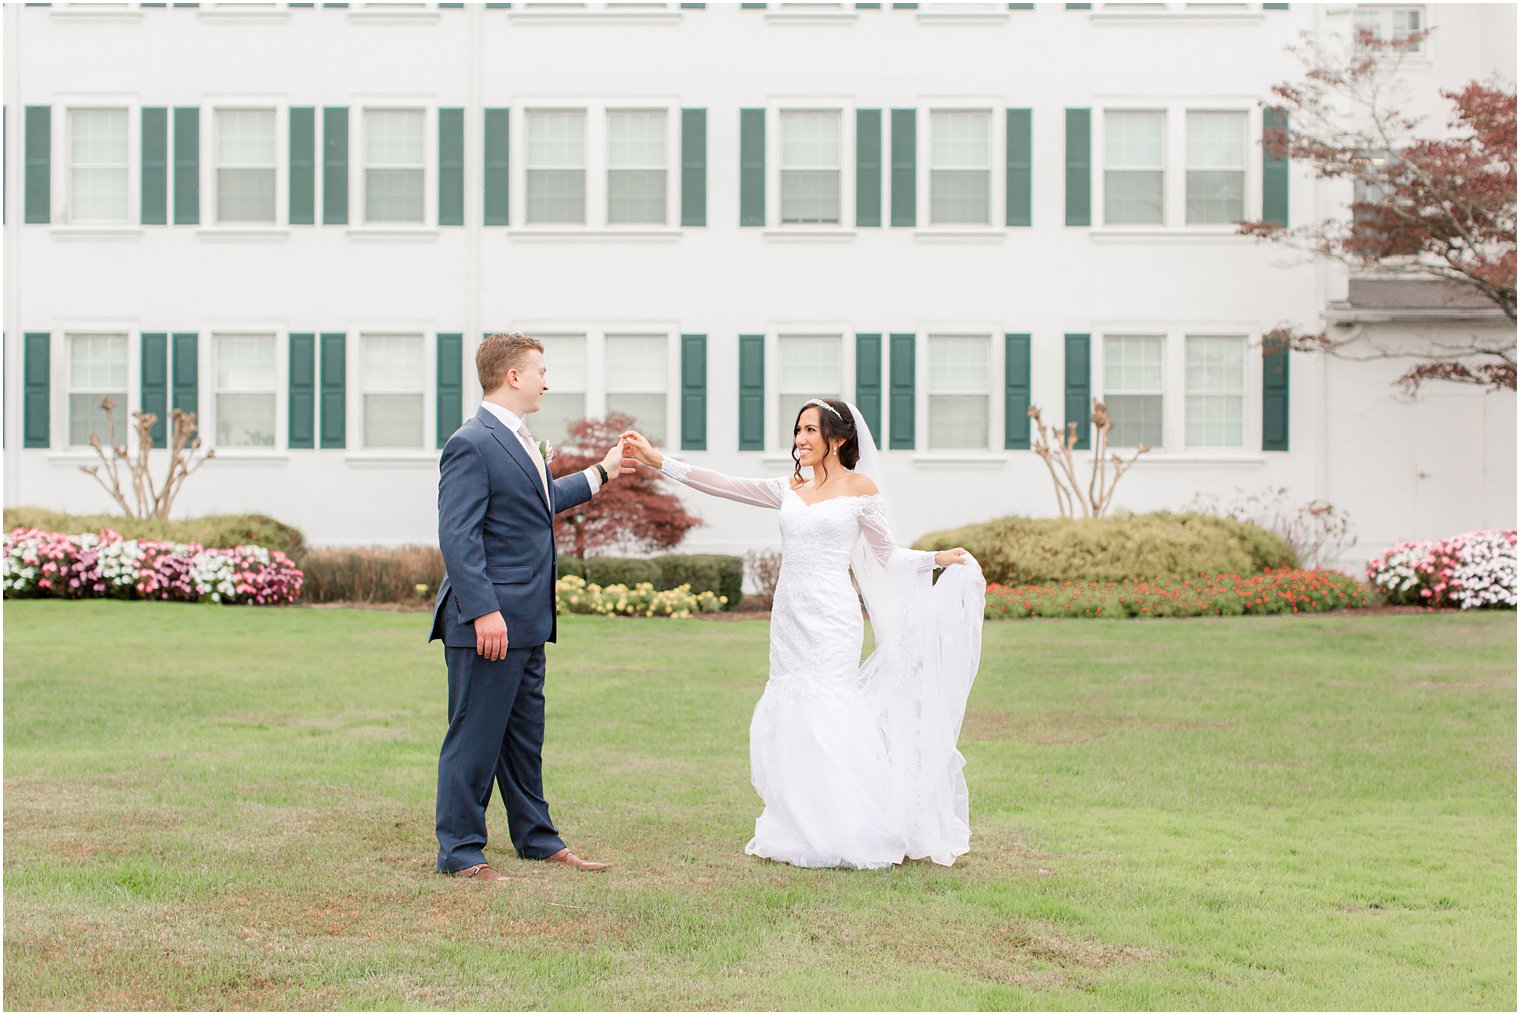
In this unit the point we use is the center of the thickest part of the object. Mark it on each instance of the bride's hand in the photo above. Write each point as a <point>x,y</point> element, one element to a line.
<point>639,446</point>
<point>945,558</point>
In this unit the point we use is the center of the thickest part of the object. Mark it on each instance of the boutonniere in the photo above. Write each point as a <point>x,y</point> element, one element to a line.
<point>547,451</point>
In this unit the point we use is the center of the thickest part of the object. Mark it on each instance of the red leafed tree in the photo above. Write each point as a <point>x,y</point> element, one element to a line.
<point>1439,208</point>
<point>634,513</point>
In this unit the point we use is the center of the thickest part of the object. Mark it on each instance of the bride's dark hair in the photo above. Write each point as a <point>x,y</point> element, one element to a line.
<point>836,425</point>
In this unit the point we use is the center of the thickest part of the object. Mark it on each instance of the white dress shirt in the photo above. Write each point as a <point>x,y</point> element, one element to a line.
<point>512,421</point>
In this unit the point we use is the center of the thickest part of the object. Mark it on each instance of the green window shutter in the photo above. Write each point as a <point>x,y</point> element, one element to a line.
<point>693,167</point>
<point>1275,360</point>
<point>497,165</point>
<point>751,392</point>
<point>1079,7</point>
<point>39,165</point>
<point>868,381</point>
<point>303,165</point>
<point>1021,7</point>
<point>187,165</point>
<point>904,167</point>
<point>1016,392</point>
<point>1020,169</point>
<point>155,383</point>
<point>335,165</point>
<point>1079,167</point>
<point>450,385</point>
<point>1274,172</point>
<point>902,403</point>
<point>36,403</point>
<point>155,166</point>
<point>334,402</point>
<point>303,390</point>
<point>1274,7</point>
<point>751,167</point>
<point>451,166</point>
<point>1079,388</point>
<point>184,387</point>
<point>868,167</point>
<point>693,392</point>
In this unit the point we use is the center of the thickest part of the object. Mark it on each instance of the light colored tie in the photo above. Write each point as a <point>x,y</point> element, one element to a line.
<point>531,447</point>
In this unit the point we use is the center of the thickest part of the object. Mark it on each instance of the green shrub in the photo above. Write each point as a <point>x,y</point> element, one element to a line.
<point>1221,595</point>
<point>1160,547</point>
<point>377,574</point>
<point>719,573</point>
<point>628,571</point>
<point>209,530</point>
<point>569,565</point>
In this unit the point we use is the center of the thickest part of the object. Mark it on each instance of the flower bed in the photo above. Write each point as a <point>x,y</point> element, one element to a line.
<point>575,595</point>
<point>1221,595</point>
<point>1470,571</point>
<point>40,564</point>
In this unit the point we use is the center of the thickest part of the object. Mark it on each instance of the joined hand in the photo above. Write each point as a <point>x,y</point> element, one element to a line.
<point>638,445</point>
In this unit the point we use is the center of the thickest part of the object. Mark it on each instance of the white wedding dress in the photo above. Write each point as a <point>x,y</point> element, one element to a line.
<point>856,762</point>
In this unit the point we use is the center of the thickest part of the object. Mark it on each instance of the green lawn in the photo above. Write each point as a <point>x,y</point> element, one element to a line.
<point>212,807</point>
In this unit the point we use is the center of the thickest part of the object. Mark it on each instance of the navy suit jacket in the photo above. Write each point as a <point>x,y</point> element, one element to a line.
<point>496,532</point>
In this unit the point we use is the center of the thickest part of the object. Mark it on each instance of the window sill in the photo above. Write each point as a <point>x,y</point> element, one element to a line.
<point>985,234</point>
<point>1193,234</point>
<point>244,17</point>
<point>61,13</point>
<point>810,17</point>
<point>393,17</point>
<point>605,17</point>
<point>249,457</point>
<point>961,459</point>
<point>931,16</point>
<point>552,235</point>
<point>392,234</point>
<point>1176,17</point>
<point>72,457</point>
<point>1189,459</point>
<point>102,234</point>
<point>239,234</point>
<point>804,234</point>
<point>391,459</point>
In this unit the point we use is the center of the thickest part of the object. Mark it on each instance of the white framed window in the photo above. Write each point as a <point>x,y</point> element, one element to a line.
<point>97,369</point>
<point>395,165</point>
<point>1216,167</point>
<point>960,402</point>
<point>246,157</point>
<point>1134,389</point>
<point>99,159</point>
<point>960,167</point>
<point>246,385</point>
<point>565,401</point>
<point>1216,389</point>
<point>392,379</point>
<point>637,166</point>
<point>556,167</point>
<point>637,371</point>
<point>1390,23</point>
<point>811,159</point>
<point>1134,167</point>
<point>808,367</point>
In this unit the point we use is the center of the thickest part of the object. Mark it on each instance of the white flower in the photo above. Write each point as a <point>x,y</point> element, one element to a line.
<point>547,451</point>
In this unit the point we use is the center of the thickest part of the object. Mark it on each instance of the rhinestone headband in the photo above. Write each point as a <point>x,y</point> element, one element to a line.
<point>823,405</point>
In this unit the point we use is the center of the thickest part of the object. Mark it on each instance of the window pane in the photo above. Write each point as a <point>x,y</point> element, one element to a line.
<point>393,195</point>
<point>556,139</point>
<point>392,363</point>
<point>809,368</point>
<point>636,197</point>
<point>1215,421</point>
<point>810,139</point>
<point>958,421</point>
<point>959,196</point>
<point>958,364</point>
<point>245,137</point>
<point>959,139</point>
<point>98,362</point>
<point>1133,140</point>
<point>557,196</point>
<point>1215,363</point>
<point>565,362</point>
<point>394,137</point>
<point>245,362</point>
<point>245,195</point>
<point>1132,198</point>
<point>636,363</point>
<point>98,195</point>
<point>636,138</point>
<point>87,417</point>
<point>648,412</point>
<point>245,421</point>
<point>1216,139</point>
<point>392,421</point>
<point>1215,197</point>
<point>1132,363</point>
<point>557,411</point>
<point>98,137</point>
<point>1137,420</point>
<point>809,196</point>
<point>1369,19</point>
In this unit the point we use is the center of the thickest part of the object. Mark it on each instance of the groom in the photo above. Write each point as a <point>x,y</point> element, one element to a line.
<point>495,611</point>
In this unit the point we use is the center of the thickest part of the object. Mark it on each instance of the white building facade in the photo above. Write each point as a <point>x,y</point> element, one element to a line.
<point>299,220</point>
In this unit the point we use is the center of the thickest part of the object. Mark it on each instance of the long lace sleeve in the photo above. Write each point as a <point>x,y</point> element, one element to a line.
<point>759,492</point>
<point>878,536</point>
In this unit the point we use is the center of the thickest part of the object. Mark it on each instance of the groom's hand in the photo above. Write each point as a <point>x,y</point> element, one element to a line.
<point>617,462</point>
<point>491,636</point>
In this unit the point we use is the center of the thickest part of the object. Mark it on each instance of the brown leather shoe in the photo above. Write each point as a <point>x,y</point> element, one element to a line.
<point>565,856</point>
<point>480,872</point>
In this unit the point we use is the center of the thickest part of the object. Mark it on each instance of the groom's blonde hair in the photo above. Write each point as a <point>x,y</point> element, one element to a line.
<point>503,351</point>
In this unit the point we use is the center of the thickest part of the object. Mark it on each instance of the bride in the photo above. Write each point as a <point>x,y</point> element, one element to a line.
<point>856,762</point>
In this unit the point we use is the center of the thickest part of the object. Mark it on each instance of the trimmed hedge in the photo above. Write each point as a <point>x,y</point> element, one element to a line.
<point>1160,547</point>
<point>210,530</point>
<point>718,573</point>
<point>374,574</point>
<point>1222,595</point>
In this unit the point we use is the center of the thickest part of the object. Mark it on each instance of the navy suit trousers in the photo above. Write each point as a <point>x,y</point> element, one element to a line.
<point>496,728</point>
